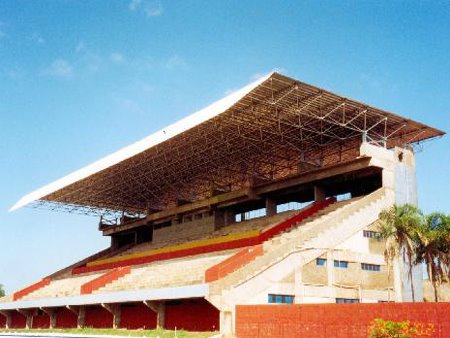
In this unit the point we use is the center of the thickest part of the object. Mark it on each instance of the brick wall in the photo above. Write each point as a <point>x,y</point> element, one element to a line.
<point>334,320</point>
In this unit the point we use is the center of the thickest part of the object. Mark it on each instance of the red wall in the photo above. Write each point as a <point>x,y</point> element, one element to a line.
<point>192,315</point>
<point>334,320</point>
<point>2,321</point>
<point>18,321</point>
<point>137,316</point>
<point>98,317</point>
<point>66,318</point>
<point>41,321</point>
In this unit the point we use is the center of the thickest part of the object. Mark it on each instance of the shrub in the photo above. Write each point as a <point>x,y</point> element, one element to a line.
<point>380,328</point>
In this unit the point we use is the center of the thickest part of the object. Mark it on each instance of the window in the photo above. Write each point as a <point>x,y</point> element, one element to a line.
<point>343,197</point>
<point>281,299</point>
<point>291,206</point>
<point>370,267</point>
<point>248,215</point>
<point>341,264</point>
<point>371,234</point>
<point>321,262</point>
<point>346,300</point>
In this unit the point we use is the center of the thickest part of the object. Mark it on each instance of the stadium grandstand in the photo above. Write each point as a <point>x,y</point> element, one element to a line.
<point>269,195</point>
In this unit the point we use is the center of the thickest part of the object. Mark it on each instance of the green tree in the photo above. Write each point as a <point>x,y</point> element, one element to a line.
<point>2,292</point>
<point>396,228</point>
<point>432,248</point>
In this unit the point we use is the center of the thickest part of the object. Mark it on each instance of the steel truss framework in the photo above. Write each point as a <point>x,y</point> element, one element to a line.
<point>280,128</point>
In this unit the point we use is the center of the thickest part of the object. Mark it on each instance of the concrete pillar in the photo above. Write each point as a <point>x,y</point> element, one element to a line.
<point>29,316</point>
<point>299,288</point>
<point>229,217</point>
<point>7,315</point>
<point>319,193</point>
<point>160,309</point>
<point>81,317</point>
<point>226,323</point>
<point>219,219</point>
<point>398,288</point>
<point>330,269</point>
<point>115,310</point>
<point>51,312</point>
<point>271,206</point>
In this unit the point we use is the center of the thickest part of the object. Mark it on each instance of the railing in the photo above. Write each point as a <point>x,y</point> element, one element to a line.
<point>233,263</point>
<point>104,279</point>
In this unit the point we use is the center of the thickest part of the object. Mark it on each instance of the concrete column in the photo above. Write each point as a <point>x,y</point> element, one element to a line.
<point>271,207</point>
<point>319,193</point>
<point>160,309</point>
<point>229,217</point>
<point>115,310</point>
<point>330,269</point>
<point>51,312</point>
<point>7,315</point>
<point>29,316</point>
<point>219,219</point>
<point>226,323</point>
<point>299,288</point>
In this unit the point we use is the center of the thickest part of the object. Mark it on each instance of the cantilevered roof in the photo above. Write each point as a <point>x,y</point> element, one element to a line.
<point>271,128</point>
<point>169,293</point>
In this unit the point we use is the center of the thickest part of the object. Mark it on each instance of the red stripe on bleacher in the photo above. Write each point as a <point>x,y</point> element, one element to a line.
<point>29,289</point>
<point>104,279</point>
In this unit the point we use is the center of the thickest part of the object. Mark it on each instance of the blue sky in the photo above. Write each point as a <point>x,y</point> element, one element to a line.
<point>79,80</point>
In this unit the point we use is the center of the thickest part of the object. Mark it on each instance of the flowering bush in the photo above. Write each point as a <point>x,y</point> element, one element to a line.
<point>380,328</point>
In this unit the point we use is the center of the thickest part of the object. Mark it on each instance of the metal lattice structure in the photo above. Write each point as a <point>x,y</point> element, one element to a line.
<point>279,127</point>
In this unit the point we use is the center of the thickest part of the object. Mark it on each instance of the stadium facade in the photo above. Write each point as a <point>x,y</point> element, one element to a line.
<point>270,195</point>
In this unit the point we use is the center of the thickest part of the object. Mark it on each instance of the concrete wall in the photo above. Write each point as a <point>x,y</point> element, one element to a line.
<point>184,231</point>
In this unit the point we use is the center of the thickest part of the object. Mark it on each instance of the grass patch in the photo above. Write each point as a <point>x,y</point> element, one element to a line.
<point>119,332</point>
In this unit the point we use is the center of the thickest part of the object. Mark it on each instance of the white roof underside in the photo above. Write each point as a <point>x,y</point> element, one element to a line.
<point>181,292</point>
<point>148,142</point>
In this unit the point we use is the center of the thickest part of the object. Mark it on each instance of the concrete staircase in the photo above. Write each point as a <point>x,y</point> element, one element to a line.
<point>303,243</point>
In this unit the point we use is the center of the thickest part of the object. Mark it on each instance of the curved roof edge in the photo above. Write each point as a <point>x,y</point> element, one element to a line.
<point>156,138</point>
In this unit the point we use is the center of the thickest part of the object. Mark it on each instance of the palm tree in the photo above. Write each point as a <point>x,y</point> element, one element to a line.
<point>396,228</point>
<point>431,248</point>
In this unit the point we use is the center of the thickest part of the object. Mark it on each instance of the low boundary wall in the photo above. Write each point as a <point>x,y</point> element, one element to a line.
<point>334,320</point>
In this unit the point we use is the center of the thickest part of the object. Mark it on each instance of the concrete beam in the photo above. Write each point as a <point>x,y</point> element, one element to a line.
<point>160,309</point>
<point>115,310</point>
